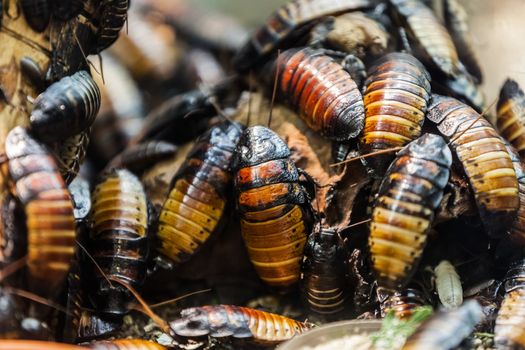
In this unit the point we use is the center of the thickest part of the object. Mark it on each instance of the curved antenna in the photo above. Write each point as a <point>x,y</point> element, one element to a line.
<point>363,156</point>
<point>482,114</point>
<point>12,268</point>
<point>274,92</point>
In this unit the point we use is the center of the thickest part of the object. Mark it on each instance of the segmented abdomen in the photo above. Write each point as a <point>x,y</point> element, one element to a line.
<point>113,15</point>
<point>509,332</point>
<point>396,98</point>
<point>71,153</point>
<point>403,303</point>
<point>517,230</point>
<point>327,98</point>
<point>511,115</point>
<point>125,344</point>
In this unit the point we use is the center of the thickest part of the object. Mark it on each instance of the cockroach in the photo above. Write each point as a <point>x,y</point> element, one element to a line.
<point>197,200</point>
<point>36,182</point>
<point>403,303</point>
<point>405,207</point>
<point>125,344</point>
<point>485,160</point>
<point>323,271</point>
<point>510,119</point>
<point>446,329</point>
<point>113,15</point>
<point>13,245</point>
<point>327,98</point>
<point>448,285</point>
<point>71,153</point>
<point>118,242</point>
<point>68,107</point>
<point>463,88</point>
<point>139,157</point>
<point>37,13</point>
<point>33,73</point>
<point>66,10</point>
<point>273,206</point>
<point>517,230</point>
<point>10,344</point>
<point>285,23</point>
<point>221,321</point>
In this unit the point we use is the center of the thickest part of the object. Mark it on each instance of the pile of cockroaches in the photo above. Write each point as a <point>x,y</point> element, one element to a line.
<point>346,142</point>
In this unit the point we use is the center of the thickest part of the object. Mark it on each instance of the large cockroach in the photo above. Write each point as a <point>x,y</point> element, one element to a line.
<point>396,97</point>
<point>119,223</point>
<point>113,15</point>
<point>484,157</point>
<point>37,13</point>
<point>36,182</point>
<point>66,10</point>
<point>143,155</point>
<point>510,119</point>
<point>273,206</point>
<point>287,22</point>
<point>517,230</point>
<point>403,303</point>
<point>197,200</point>
<point>221,321</point>
<point>404,210</point>
<point>125,344</point>
<point>71,153</point>
<point>448,285</point>
<point>327,98</point>
<point>324,271</point>
<point>118,344</point>
<point>68,107</point>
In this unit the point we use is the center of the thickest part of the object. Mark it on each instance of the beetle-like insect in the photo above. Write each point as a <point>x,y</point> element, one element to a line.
<point>484,157</point>
<point>396,98</point>
<point>221,321</point>
<point>113,15</point>
<point>448,285</point>
<point>327,98</point>
<point>119,222</point>
<point>37,13</point>
<point>125,344</point>
<point>273,205</point>
<point>403,303</point>
<point>323,271</point>
<point>404,210</point>
<point>71,153</point>
<point>143,155</point>
<point>517,230</point>
<point>36,182</point>
<point>511,115</point>
<point>197,200</point>
<point>66,108</point>
<point>66,10</point>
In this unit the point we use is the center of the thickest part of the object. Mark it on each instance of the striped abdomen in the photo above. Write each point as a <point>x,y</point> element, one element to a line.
<point>403,303</point>
<point>125,344</point>
<point>485,159</point>
<point>517,230</point>
<point>404,210</point>
<point>448,285</point>
<point>238,322</point>
<point>113,15</point>
<point>510,119</point>
<point>272,206</point>
<point>197,200</point>
<point>71,153</point>
<point>327,98</point>
<point>118,238</point>
<point>396,98</point>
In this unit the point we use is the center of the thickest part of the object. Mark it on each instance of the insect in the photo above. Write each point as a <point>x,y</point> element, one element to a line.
<point>404,210</point>
<point>197,200</point>
<point>125,344</point>
<point>323,271</point>
<point>36,182</point>
<point>484,157</point>
<point>66,10</point>
<point>517,230</point>
<point>403,303</point>
<point>221,321</point>
<point>12,235</point>
<point>141,156</point>
<point>328,99</point>
<point>446,329</point>
<point>510,119</point>
<point>463,88</point>
<point>71,153</point>
<point>66,108</point>
<point>448,285</point>
<point>37,13</point>
<point>113,15</point>
<point>273,206</point>
<point>119,223</point>
<point>15,344</point>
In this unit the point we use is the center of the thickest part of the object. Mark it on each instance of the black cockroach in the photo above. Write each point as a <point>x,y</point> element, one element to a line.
<point>403,303</point>
<point>510,119</point>
<point>66,10</point>
<point>68,107</point>
<point>71,153</point>
<point>33,73</point>
<point>404,210</point>
<point>139,157</point>
<point>113,14</point>
<point>37,13</point>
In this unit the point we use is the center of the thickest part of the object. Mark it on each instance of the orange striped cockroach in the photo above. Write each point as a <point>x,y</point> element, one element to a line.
<point>125,344</point>
<point>197,200</point>
<point>510,119</point>
<point>485,160</point>
<point>403,303</point>
<point>273,206</point>
<point>517,230</point>
<point>396,97</point>
<point>325,94</point>
<point>117,344</point>
<point>448,285</point>
<point>289,21</point>
<point>36,182</point>
<point>404,209</point>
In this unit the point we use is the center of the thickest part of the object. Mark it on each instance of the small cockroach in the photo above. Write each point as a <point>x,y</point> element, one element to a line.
<point>446,329</point>
<point>68,107</point>
<point>221,321</point>
<point>510,119</point>
<point>119,223</point>
<point>66,10</point>
<point>113,15</point>
<point>448,285</point>
<point>404,210</point>
<point>485,159</point>
<point>125,344</point>
<point>273,206</point>
<point>324,271</point>
<point>70,154</point>
<point>37,13</point>
<point>517,230</point>
<point>396,97</point>
<point>326,96</point>
<point>199,191</point>
<point>403,303</point>
<point>143,155</point>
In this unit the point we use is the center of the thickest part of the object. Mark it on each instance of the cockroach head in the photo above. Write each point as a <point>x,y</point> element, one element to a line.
<point>431,147</point>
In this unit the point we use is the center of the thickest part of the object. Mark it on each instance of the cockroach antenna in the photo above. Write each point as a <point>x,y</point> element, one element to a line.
<point>368,155</point>
<point>85,57</point>
<point>93,261</point>
<point>274,92</point>
<point>482,115</point>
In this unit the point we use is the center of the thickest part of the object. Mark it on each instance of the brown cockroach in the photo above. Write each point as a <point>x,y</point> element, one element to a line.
<point>403,303</point>
<point>510,119</point>
<point>125,344</point>
<point>485,160</point>
<point>325,94</point>
<point>396,97</point>
<point>9,344</point>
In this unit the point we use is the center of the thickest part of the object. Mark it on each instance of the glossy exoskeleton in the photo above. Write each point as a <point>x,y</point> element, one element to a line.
<point>404,210</point>
<point>396,97</point>
<point>517,229</point>
<point>325,94</point>
<point>118,242</point>
<point>71,153</point>
<point>403,303</point>
<point>485,159</point>
<point>37,13</point>
<point>65,10</point>
<point>199,191</point>
<point>510,119</point>
<point>323,271</point>
<point>273,206</point>
<point>68,107</point>
<point>220,321</point>
<point>448,285</point>
<point>125,344</point>
<point>143,155</point>
<point>113,14</point>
